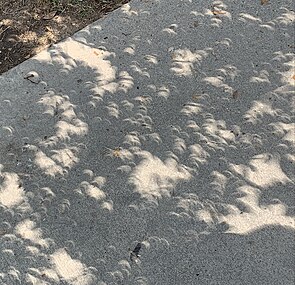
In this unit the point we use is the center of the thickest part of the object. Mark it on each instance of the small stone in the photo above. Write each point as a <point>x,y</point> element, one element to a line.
<point>33,77</point>
<point>236,94</point>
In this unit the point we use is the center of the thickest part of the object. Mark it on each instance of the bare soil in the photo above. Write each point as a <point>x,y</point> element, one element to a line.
<point>28,26</point>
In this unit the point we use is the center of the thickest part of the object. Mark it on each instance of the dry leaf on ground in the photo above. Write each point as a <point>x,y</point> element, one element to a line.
<point>117,152</point>
<point>50,15</point>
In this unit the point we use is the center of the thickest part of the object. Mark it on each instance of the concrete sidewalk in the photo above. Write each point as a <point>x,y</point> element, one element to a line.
<point>166,123</point>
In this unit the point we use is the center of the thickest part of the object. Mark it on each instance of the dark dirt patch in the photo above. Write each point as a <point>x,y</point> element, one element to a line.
<point>28,26</point>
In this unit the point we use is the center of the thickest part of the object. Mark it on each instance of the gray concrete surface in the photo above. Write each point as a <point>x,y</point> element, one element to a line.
<point>169,123</point>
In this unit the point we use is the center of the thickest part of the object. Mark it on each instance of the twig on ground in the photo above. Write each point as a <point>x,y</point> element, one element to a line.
<point>4,30</point>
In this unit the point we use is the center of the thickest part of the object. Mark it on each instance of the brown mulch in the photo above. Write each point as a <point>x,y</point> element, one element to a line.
<point>28,26</point>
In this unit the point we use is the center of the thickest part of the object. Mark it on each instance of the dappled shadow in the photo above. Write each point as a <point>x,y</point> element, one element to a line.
<point>168,134</point>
